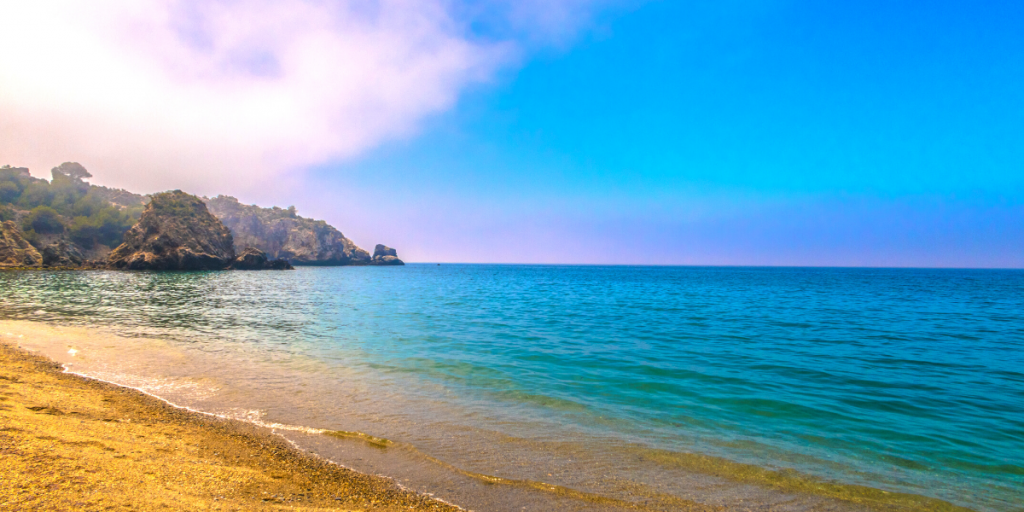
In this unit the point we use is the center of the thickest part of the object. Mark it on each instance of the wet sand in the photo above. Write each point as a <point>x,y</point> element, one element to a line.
<point>71,443</point>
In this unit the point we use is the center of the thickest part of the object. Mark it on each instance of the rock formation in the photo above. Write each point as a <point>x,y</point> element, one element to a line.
<point>70,223</point>
<point>175,232</point>
<point>62,253</point>
<point>15,251</point>
<point>254,259</point>
<point>384,255</point>
<point>284,235</point>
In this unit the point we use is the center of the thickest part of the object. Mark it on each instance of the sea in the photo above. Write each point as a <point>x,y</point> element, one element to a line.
<point>534,387</point>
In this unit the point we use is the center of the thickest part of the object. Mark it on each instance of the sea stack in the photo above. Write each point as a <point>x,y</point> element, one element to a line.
<point>384,255</point>
<point>175,232</point>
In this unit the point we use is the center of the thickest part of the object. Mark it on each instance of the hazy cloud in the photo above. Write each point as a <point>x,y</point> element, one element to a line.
<point>154,94</point>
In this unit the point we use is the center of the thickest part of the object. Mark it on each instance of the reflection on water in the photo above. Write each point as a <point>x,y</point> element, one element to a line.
<point>589,377</point>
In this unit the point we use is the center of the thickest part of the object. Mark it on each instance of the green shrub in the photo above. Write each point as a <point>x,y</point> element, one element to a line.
<point>31,237</point>
<point>6,213</point>
<point>9,192</point>
<point>37,193</point>
<point>106,226</point>
<point>43,219</point>
<point>93,219</point>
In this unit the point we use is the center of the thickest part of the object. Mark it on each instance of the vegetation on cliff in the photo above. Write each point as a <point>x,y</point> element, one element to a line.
<point>67,209</point>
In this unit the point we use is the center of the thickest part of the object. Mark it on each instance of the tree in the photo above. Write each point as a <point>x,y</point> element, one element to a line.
<point>73,170</point>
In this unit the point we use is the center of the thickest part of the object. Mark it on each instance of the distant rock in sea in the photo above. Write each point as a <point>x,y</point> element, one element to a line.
<point>384,255</point>
<point>15,251</point>
<point>254,259</point>
<point>282,234</point>
<point>175,232</point>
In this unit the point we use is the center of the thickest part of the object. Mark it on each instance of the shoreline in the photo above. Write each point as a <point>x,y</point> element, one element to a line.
<point>829,494</point>
<point>70,441</point>
<point>286,467</point>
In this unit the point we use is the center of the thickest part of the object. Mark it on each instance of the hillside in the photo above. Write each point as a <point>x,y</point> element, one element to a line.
<point>66,219</point>
<point>72,223</point>
<point>281,233</point>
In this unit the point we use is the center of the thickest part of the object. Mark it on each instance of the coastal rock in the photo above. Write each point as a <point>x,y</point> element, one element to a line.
<point>282,234</point>
<point>254,259</point>
<point>175,232</point>
<point>15,251</point>
<point>384,255</point>
<point>62,253</point>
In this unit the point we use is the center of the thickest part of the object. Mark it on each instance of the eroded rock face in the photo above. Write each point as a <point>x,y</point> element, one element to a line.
<point>284,235</point>
<point>175,232</point>
<point>384,255</point>
<point>62,253</point>
<point>15,251</point>
<point>254,259</point>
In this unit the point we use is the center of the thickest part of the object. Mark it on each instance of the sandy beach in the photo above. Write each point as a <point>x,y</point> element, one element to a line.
<point>71,443</point>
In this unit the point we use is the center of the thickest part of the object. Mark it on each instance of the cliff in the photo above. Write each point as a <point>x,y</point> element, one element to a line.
<point>62,253</point>
<point>175,232</point>
<point>15,251</point>
<point>282,234</point>
<point>71,223</point>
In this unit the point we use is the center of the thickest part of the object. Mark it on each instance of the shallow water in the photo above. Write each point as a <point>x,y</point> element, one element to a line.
<point>597,379</point>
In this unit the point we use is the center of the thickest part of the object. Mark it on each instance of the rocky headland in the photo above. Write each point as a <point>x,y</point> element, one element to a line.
<point>69,223</point>
<point>283,234</point>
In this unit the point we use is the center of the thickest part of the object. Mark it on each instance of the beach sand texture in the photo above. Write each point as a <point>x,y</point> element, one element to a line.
<point>70,443</point>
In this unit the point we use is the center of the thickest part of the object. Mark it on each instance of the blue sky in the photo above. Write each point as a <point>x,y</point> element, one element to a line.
<point>744,132</point>
<point>728,132</point>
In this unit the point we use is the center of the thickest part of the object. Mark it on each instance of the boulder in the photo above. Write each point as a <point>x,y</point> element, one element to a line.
<point>254,259</point>
<point>384,255</point>
<point>175,232</point>
<point>62,253</point>
<point>15,251</point>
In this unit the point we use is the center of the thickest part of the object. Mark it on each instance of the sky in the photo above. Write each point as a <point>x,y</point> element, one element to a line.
<point>729,132</point>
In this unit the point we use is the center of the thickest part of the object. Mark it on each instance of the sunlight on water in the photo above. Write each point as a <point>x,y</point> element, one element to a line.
<point>909,381</point>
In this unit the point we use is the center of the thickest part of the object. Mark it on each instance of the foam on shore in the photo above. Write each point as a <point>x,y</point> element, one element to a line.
<point>78,345</point>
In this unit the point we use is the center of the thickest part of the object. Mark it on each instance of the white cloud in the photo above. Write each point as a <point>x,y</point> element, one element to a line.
<point>156,94</point>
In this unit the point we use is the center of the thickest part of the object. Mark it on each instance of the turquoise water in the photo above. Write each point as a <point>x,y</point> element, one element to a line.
<point>901,379</point>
